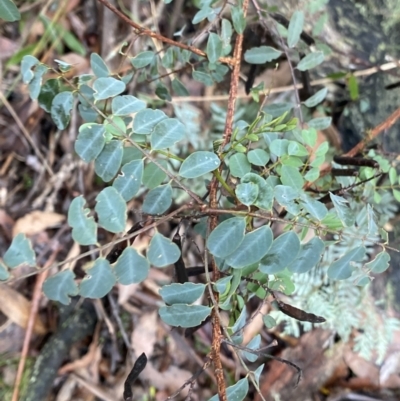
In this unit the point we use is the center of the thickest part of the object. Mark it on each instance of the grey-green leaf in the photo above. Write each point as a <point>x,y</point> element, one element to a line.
<point>111,210</point>
<point>84,228</point>
<point>282,252</point>
<point>107,87</point>
<point>145,121</point>
<point>198,164</point>
<point>258,157</point>
<point>99,280</point>
<point>342,268</point>
<point>320,123</point>
<point>162,251</point>
<point>253,248</point>
<point>20,252</point>
<point>295,28</point>
<point>131,267</point>
<point>90,141</point>
<point>308,256</point>
<point>9,11</point>
<point>98,65</point>
<point>261,55</point>
<point>129,181</point>
<point>61,286</point>
<point>27,63</point>
<point>237,392</point>
<point>239,166</point>
<point>238,19</point>
<point>153,176</point>
<point>166,133</point>
<point>214,47</point>
<point>180,315</point>
<point>61,109</point>
<point>380,263</point>
<point>108,162</point>
<point>186,293</point>
<point>345,214</point>
<point>291,177</point>
<point>143,59</point>
<point>247,193</point>
<point>226,237</point>
<point>158,200</point>
<point>316,98</point>
<point>310,61</point>
<point>126,104</point>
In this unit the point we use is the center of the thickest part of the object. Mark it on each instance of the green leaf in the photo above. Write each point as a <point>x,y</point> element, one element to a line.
<point>295,28</point>
<point>320,123</point>
<point>198,164</point>
<point>297,149</point>
<point>111,210</point>
<point>310,61</point>
<point>4,274</point>
<point>283,251</point>
<point>127,104</point>
<point>90,141</point>
<point>27,63</point>
<point>316,209</point>
<point>108,162</point>
<point>9,11</point>
<point>265,193</point>
<point>269,322</point>
<point>261,55</point>
<point>186,293</point>
<point>129,181</point>
<point>116,127</point>
<point>214,47</point>
<point>158,200</point>
<point>98,66</point>
<point>237,392</point>
<point>253,248</point>
<point>162,251</point>
<point>179,88</point>
<point>287,197</point>
<point>107,87</point>
<point>61,108</point>
<point>166,133</point>
<point>308,256</point>
<point>20,252</point>
<point>143,59</point>
<point>238,19</point>
<point>203,13</point>
<point>84,228</point>
<point>346,215</point>
<point>61,287</point>
<point>239,166</point>
<point>145,121</point>
<point>153,176</point>
<point>253,344</point>
<point>47,93</point>
<point>99,280</point>
<point>180,315</point>
<point>291,177</point>
<point>131,267</point>
<point>392,176</point>
<point>309,136</point>
<point>279,147</point>
<point>226,237</point>
<point>379,264</point>
<point>247,193</point>
<point>162,92</point>
<point>316,99</point>
<point>203,78</point>
<point>353,88</point>
<point>35,84</point>
<point>258,157</point>
<point>342,268</point>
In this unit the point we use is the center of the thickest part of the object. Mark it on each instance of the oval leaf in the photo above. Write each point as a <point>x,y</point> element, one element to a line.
<point>295,28</point>
<point>261,55</point>
<point>158,200</point>
<point>180,315</point>
<point>99,280</point>
<point>84,228</point>
<point>227,237</point>
<point>109,160</point>
<point>129,181</point>
<point>145,121</point>
<point>186,293</point>
<point>61,286</point>
<point>131,267</point>
<point>127,104</point>
<point>162,251</point>
<point>214,47</point>
<point>309,255</point>
<point>282,252</point>
<point>247,193</point>
<point>199,163</point>
<point>310,61</point>
<point>107,87</point>
<point>343,268</point>
<point>20,252</point>
<point>61,109</point>
<point>90,141</point>
<point>166,133</point>
<point>111,209</point>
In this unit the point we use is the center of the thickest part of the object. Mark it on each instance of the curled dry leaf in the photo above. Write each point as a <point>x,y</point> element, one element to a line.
<point>17,308</point>
<point>36,222</point>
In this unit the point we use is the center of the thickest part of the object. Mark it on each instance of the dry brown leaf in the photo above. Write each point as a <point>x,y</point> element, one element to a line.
<point>36,222</point>
<point>17,308</point>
